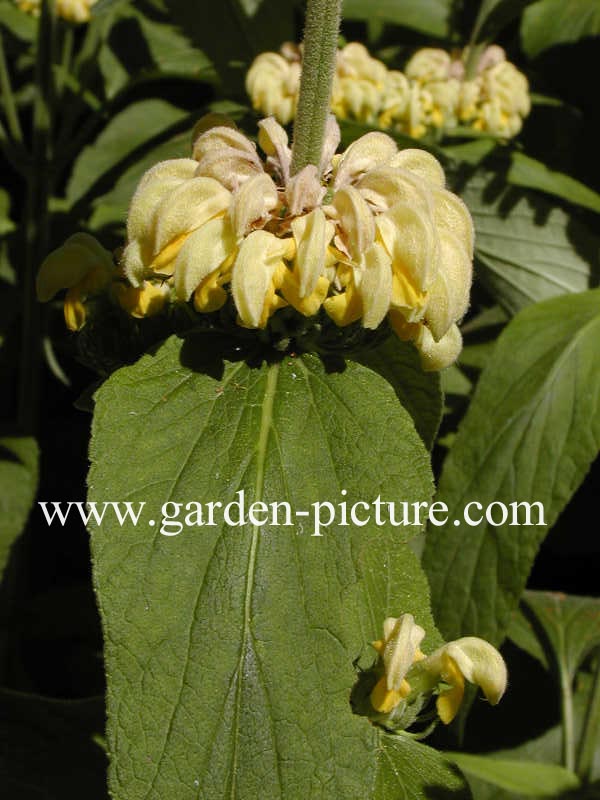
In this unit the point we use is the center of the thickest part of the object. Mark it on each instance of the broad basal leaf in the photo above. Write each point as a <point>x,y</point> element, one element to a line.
<point>230,649</point>
<point>552,22</point>
<point>18,479</point>
<point>427,16</point>
<point>527,250</point>
<point>530,434</point>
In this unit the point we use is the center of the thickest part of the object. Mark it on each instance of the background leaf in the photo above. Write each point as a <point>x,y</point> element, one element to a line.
<point>570,625</point>
<point>530,434</point>
<point>551,22</point>
<point>427,16</point>
<point>234,646</point>
<point>130,129</point>
<point>18,478</point>
<point>524,778</point>
<point>527,249</point>
<point>532,174</point>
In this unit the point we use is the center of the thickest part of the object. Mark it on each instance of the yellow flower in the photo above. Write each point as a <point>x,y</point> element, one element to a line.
<point>471,659</point>
<point>368,234</point>
<point>398,650</point>
<point>273,84</point>
<point>409,674</point>
<point>83,267</point>
<point>72,10</point>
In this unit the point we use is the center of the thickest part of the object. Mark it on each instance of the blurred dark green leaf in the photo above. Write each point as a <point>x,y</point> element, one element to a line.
<point>132,128</point>
<point>18,479</point>
<point>427,16</point>
<point>551,22</point>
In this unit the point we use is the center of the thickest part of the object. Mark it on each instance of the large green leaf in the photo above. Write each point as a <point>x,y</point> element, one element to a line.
<point>527,249</point>
<point>419,392</point>
<point>18,485</point>
<point>550,22</point>
<point>530,434</point>
<point>229,650</point>
<point>524,778</point>
<point>407,770</point>
<point>48,748</point>
<point>427,16</point>
<point>130,129</point>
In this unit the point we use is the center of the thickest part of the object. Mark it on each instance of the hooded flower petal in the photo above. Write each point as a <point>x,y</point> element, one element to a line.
<point>202,253</point>
<point>253,271</point>
<point>410,239</point>
<point>441,354</point>
<point>80,257</point>
<point>364,154</point>
<point>312,234</point>
<point>252,203</point>
<point>187,208</point>
<point>356,221</point>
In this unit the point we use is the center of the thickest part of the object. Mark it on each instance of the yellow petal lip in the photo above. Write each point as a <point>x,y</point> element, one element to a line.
<point>68,265</point>
<point>143,301</point>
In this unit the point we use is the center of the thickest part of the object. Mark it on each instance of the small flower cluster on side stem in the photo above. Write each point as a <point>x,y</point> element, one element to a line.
<point>406,678</point>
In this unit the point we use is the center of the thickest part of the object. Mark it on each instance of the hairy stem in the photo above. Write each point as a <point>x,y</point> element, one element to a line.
<point>318,66</point>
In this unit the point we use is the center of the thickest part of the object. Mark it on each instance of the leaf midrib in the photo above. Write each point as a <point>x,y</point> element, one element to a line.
<point>266,421</point>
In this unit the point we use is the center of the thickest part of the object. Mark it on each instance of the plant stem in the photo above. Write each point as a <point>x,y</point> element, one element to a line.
<point>591,729</point>
<point>36,221</point>
<point>567,718</point>
<point>318,66</point>
<point>8,98</point>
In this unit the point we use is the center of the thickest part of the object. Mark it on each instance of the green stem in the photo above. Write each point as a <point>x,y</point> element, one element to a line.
<point>36,221</point>
<point>567,719</point>
<point>318,66</point>
<point>590,735</point>
<point>473,53</point>
<point>8,98</point>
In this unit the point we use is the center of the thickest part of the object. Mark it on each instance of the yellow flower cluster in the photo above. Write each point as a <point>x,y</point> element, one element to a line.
<point>372,233</point>
<point>407,672</point>
<point>71,10</point>
<point>432,92</point>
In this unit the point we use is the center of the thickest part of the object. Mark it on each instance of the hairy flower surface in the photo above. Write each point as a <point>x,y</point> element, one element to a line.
<point>409,675</point>
<point>370,234</point>
<point>71,10</point>
<point>432,93</point>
